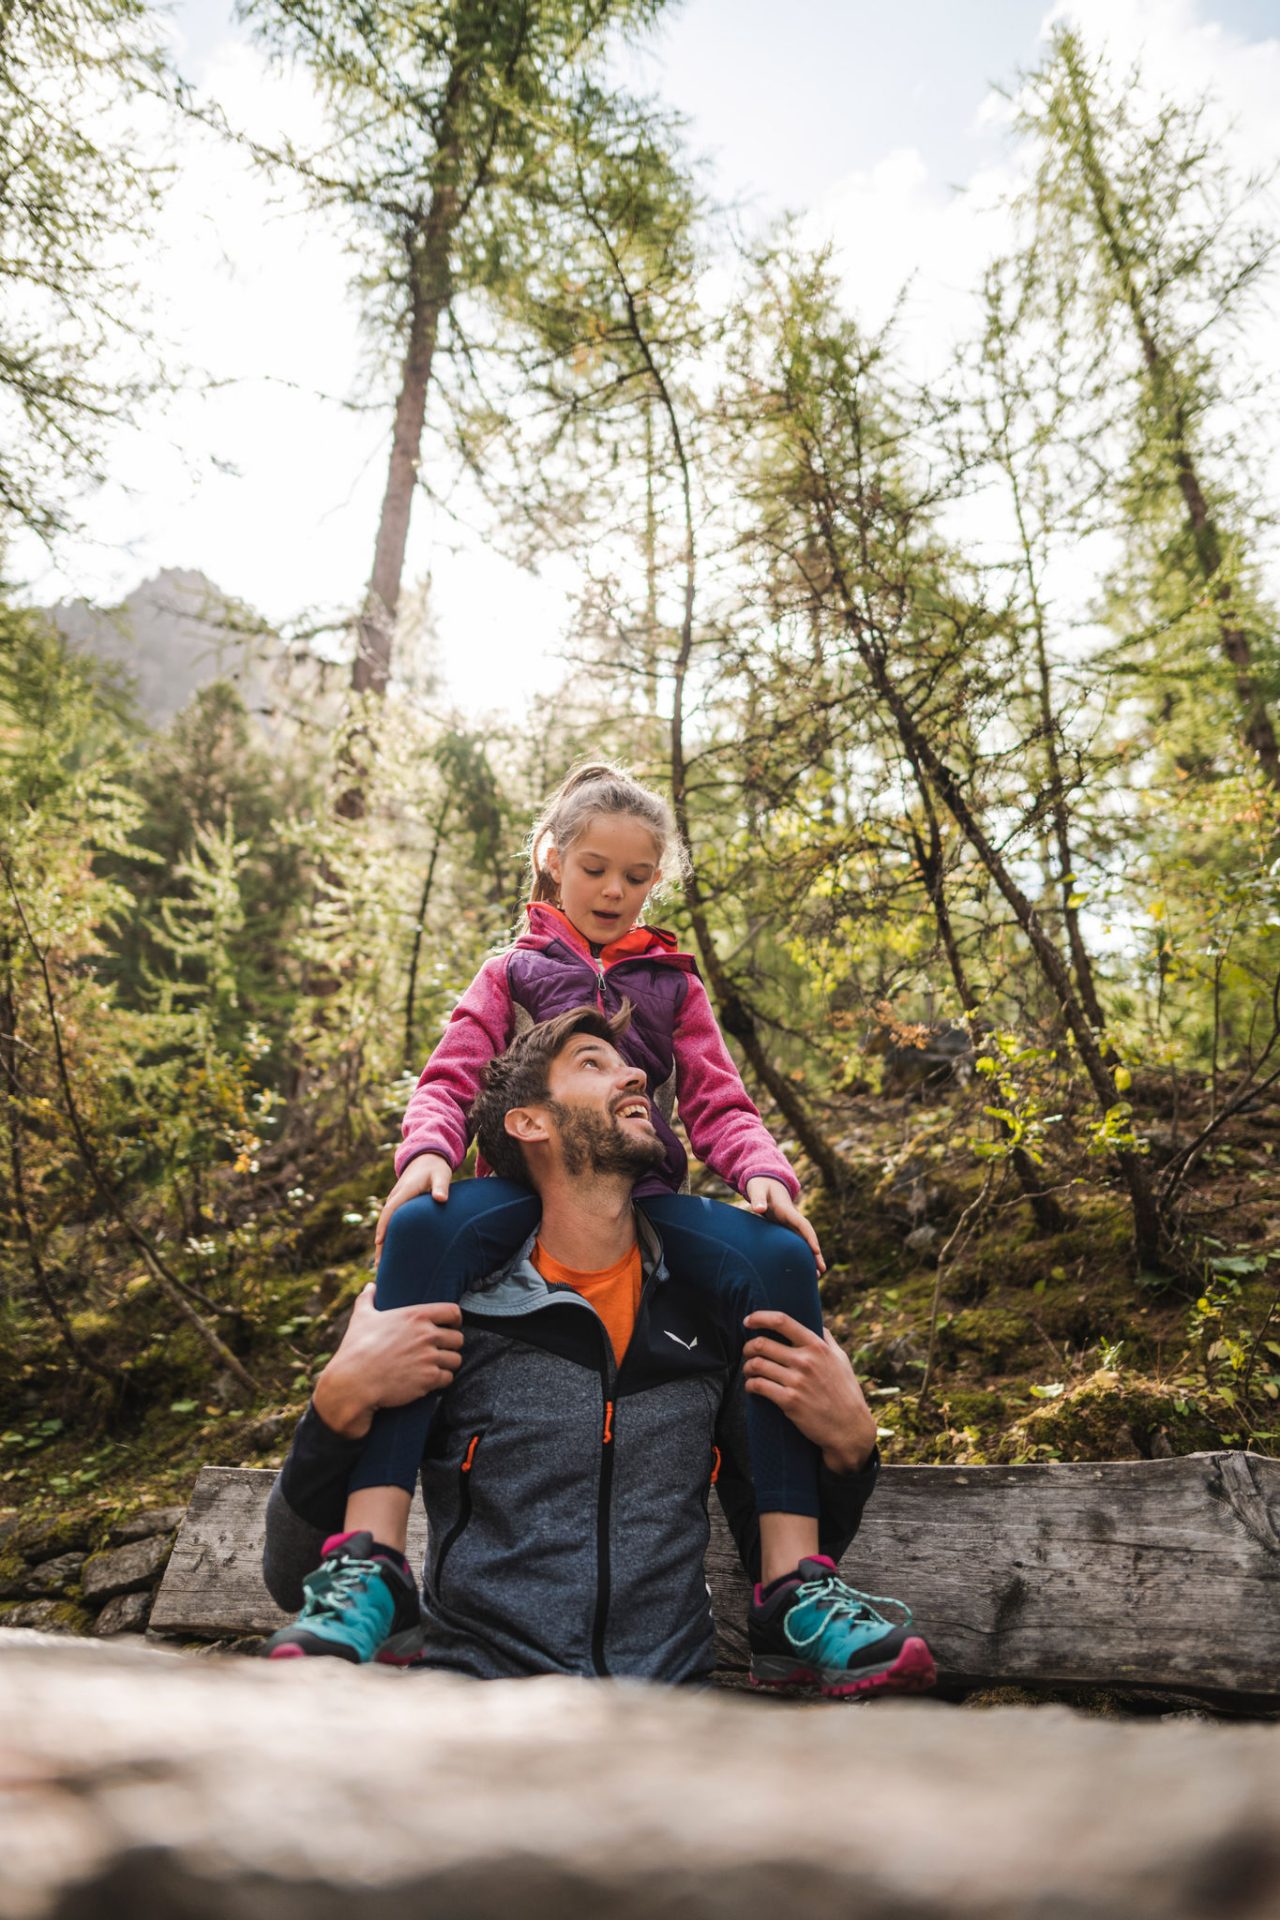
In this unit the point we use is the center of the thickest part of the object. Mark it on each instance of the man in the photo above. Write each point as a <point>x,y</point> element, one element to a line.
<point>591,1405</point>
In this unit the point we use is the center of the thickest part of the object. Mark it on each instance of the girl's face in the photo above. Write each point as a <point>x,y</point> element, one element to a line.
<point>606,875</point>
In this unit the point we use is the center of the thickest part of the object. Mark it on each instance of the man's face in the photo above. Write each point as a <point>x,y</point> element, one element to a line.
<point>601,1111</point>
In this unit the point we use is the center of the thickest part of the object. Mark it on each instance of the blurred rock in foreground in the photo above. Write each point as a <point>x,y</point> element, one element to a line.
<point>139,1784</point>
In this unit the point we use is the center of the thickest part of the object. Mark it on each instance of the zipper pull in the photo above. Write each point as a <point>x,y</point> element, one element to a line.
<point>608,1423</point>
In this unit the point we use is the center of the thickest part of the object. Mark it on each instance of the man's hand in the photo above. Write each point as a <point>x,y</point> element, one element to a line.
<point>425,1173</point>
<point>386,1360</point>
<point>771,1198</point>
<point>814,1384</point>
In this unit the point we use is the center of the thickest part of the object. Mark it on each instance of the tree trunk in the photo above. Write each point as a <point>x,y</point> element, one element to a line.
<point>415,955</point>
<point>1257,729</point>
<point>735,1013</point>
<point>168,1281</point>
<point>12,1087</point>
<point>428,248</point>
<point>1048,1215</point>
<point>1080,960</point>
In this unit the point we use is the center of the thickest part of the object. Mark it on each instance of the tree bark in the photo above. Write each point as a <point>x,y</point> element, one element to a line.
<point>430,284</point>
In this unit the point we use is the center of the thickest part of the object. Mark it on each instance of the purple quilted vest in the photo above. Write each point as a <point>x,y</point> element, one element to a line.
<point>548,974</point>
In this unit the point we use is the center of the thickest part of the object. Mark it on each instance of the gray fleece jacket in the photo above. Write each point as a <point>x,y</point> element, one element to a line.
<point>566,1496</point>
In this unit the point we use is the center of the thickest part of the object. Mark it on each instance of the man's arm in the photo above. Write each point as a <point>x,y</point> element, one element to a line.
<point>385,1359</point>
<point>811,1378</point>
<point>814,1384</point>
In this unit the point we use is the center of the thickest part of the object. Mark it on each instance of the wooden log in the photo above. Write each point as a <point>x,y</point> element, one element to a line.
<point>1152,1574</point>
<point>213,1587</point>
<point>141,1786</point>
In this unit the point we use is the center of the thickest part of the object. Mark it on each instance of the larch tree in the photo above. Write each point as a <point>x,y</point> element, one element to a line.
<point>641,271</point>
<point>846,526</point>
<point>1022,421</point>
<point>74,202</point>
<point>1137,229</point>
<point>448,120</point>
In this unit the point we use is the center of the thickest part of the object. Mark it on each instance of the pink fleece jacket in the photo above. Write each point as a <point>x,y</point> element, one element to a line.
<point>722,1121</point>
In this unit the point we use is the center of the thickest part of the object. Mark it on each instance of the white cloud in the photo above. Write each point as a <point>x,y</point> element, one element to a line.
<point>900,234</point>
<point>1184,53</point>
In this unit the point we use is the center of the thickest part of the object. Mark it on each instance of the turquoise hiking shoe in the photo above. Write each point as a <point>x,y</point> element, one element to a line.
<point>811,1630</point>
<point>359,1607</point>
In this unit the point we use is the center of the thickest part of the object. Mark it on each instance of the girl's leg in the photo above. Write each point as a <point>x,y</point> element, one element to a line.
<point>749,1263</point>
<point>431,1253</point>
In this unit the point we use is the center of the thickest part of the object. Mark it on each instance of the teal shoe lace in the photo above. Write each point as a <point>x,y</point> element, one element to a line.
<point>836,1621</point>
<point>348,1600</point>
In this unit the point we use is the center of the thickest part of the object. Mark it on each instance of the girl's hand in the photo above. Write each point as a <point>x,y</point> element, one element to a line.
<point>771,1198</point>
<point>425,1173</point>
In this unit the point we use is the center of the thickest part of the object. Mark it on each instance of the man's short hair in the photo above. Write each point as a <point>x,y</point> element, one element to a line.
<point>520,1078</point>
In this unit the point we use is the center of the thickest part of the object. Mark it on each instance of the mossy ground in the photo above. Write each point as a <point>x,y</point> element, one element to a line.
<point>1047,1347</point>
<point>85,1453</point>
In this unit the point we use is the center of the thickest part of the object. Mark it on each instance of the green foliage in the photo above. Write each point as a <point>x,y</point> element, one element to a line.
<point>74,203</point>
<point>1021,1118</point>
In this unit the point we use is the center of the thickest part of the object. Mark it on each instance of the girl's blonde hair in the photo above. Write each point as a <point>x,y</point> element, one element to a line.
<point>583,795</point>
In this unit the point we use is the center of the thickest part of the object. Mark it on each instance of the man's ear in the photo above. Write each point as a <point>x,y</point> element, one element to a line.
<point>528,1125</point>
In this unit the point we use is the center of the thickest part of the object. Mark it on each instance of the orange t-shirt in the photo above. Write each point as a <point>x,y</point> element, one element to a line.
<point>614,1292</point>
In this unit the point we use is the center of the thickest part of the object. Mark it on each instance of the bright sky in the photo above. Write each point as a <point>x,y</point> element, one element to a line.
<point>878,123</point>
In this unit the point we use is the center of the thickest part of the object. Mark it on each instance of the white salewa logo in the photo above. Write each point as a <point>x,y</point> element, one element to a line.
<point>690,1344</point>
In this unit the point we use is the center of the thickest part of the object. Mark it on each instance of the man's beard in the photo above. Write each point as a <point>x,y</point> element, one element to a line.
<point>593,1142</point>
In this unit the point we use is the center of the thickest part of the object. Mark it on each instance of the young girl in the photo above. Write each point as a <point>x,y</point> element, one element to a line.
<point>596,854</point>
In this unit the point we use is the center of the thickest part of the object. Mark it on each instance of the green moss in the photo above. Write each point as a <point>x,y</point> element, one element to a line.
<point>993,1335</point>
<point>980,1408</point>
<point>63,1616</point>
<point>1113,1417</point>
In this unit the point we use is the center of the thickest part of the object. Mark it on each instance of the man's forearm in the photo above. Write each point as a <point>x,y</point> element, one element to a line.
<point>340,1397</point>
<point>850,1450</point>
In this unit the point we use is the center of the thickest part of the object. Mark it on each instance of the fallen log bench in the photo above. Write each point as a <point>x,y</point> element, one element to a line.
<point>1149,1576</point>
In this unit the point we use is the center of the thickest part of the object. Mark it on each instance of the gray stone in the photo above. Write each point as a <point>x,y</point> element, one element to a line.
<point>142,1526</point>
<point>128,1569</point>
<point>123,1613</point>
<point>44,1614</point>
<point>53,1537</point>
<point>49,1578</point>
<point>921,1240</point>
<point>150,1785</point>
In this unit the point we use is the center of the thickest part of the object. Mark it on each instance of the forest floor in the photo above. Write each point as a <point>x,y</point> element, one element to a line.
<point>1045,1347</point>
